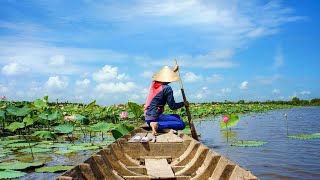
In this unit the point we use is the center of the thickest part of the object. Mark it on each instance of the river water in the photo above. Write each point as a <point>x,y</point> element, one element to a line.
<point>281,157</point>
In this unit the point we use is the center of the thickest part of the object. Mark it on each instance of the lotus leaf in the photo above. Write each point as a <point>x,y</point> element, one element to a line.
<point>305,136</point>
<point>2,114</point>
<point>10,141</point>
<point>248,143</point>
<point>65,128</point>
<point>82,119</point>
<point>9,174</point>
<point>20,144</point>
<point>15,125</point>
<point>121,130</point>
<point>100,127</point>
<point>64,151</point>
<point>233,121</point>
<point>40,103</point>
<point>45,134</point>
<point>91,105</point>
<point>18,111</point>
<point>55,145</point>
<point>53,169</point>
<point>28,121</point>
<point>136,109</point>
<point>35,150</point>
<point>49,116</point>
<point>82,148</point>
<point>17,165</point>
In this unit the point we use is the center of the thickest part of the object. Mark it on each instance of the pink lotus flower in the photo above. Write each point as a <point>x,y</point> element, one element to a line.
<point>123,115</point>
<point>70,118</point>
<point>225,119</point>
<point>3,98</point>
<point>66,118</point>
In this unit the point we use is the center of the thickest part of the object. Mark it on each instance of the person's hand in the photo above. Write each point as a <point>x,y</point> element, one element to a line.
<point>176,68</point>
<point>186,103</point>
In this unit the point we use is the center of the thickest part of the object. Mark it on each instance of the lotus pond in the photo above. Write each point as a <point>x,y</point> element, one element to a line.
<point>282,157</point>
<point>93,126</point>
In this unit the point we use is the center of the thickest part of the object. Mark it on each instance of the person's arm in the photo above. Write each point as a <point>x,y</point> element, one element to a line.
<point>170,99</point>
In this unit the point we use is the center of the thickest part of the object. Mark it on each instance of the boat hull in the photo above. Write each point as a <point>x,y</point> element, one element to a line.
<point>166,156</point>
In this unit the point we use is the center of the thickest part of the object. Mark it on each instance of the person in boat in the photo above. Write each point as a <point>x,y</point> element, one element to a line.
<point>161,94</point>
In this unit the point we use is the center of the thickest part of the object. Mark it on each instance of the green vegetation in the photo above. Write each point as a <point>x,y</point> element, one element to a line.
<point>248,143</point>
<point>43,126</point>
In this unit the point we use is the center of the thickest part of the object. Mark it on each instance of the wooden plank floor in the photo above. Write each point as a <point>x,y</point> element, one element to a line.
<point>159,168</point>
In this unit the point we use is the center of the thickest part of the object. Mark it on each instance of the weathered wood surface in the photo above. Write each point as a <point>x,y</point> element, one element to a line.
<point>166,156</point>
<point>159,168</point>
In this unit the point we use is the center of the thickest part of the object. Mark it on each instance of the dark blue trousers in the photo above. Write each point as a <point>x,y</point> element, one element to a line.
<point>168,121</point>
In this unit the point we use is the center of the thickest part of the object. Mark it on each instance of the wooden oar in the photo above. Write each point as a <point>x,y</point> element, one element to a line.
<point>192,128</point>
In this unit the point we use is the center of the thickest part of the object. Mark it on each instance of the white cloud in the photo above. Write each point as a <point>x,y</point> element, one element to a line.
<point>191,77</point>
<point>14,69</point>
<point>305,92</point>
<point>3,89</point>
<point>83,84</point>
<point>112,87</point>
<point>202,94</point>
<point>276,91</point>
<point>244,85</point>
<point>56,83</point>
<point>215,78</point>
<point>278,60</point>
<point>225,91</point>
<point>108,73</point>
<point>147,74</point>
<point>57,60</point>
<point>268,79</point>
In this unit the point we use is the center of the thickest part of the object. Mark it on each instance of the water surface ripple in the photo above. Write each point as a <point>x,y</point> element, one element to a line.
<point>281,157</point>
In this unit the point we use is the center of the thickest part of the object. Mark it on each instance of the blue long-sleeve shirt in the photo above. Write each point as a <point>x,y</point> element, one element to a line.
<point>160,94</point>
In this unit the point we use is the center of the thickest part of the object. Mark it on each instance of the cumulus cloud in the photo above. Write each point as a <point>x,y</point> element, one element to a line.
<point>14,69</point>
<point>56,83</point>
<point>244,85</point>
<point>3,89</point>
<point>57,60</point>
<point>112,87</point>
<point>305,92</point>
<point>225,91</point>
<point>215,78</point>
<point>268,79</point>
<point>147,74</point>
<point>278,60</point>
<point>83,83</point>
<point>108,73</point>
<point>202,94</point>
<point>276,91</point>
<point>191,77</point>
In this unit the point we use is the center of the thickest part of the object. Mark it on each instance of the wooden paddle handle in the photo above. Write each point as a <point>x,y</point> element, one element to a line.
<point>192,128</point>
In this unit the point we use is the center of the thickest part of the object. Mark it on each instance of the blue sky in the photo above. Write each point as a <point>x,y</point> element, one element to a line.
<point>79,51</point>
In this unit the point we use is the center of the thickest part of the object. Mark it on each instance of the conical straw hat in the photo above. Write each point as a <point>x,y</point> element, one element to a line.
<point>165,75</point>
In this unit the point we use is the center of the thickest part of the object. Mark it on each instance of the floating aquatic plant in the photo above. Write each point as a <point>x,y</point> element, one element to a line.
<point>17,165</point>
<point>64,151</point>
<point>82,148</point>
<point>52,169</point>
<point>35,150</point>
<point>305,136</point>
<point>248,143</point>
<point>9,174</point>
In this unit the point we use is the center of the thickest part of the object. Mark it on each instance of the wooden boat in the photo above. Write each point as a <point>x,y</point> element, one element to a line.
<point>166,156</point>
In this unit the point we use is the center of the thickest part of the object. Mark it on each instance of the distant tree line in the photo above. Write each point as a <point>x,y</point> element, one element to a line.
<point>294,101</point>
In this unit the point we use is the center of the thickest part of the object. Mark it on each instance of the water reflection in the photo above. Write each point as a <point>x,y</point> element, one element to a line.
<point>281,157</point>
<point>228,135</point>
